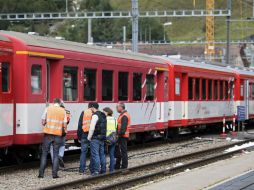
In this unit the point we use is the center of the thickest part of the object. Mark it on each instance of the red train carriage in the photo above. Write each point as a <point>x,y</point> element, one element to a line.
<point>244,94</point>
<point>41,69</point>
<point>200,93</point>
<point>6,93</point>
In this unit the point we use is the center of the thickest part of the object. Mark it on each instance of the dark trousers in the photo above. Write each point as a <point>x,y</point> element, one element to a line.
<point>121,153</point>
<point>49,140</point>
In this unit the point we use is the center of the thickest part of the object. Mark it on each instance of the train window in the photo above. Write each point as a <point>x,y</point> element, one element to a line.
<point>203,89</point>
<point>231,89</point>
<point>241,90</point>
<point>123,86</point>
<point>190,88</point>
<point>137,86</point>
<point>226,90</point>
<point>216,90</point>
<point>107,85</point>
<point>177,86</point>
<point>70,79</point>
<point>221,90</point>
<point>210,89</point>
<point>252,91</point>
<point>90,84</point>
<point>197,89</point>
<point>149,87</point>
<point>5,77</point>
<point>36,79</point>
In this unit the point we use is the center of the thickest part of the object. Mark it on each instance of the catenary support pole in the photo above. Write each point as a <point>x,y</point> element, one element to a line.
<point>135,14</point>
<point>228,33</point>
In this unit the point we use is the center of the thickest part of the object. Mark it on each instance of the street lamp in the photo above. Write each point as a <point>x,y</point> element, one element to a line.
<point>164,26</point>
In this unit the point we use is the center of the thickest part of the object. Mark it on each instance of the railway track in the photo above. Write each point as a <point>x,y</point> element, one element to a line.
<point>128,178</point>
<point>75,154</point>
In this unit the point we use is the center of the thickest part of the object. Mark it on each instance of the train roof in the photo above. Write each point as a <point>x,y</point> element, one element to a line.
<point>243,70</point>
<point>198,65</point>
<point>49,42</point>
<point>211,66</point>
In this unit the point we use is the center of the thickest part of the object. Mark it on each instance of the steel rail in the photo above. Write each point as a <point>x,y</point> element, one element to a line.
<point>92,180</point>
<point>167,172</point>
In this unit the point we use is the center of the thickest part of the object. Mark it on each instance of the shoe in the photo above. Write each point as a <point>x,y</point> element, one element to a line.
<point>95,174</point>
<point>40,176</point>
<point>55,177</point>
<point>61,162</point>
<point>81,172</point>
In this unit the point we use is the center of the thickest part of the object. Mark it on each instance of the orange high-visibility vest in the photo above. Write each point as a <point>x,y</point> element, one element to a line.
<point>87,117</point>
<point>55,120</point>
<point>119,123</point>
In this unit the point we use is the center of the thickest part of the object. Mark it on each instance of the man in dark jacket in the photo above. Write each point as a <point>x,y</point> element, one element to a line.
<point>123,124</point>
<point>97,137</point>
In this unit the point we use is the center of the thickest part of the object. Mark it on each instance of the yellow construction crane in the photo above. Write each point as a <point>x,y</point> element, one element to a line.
<point>209,48</point>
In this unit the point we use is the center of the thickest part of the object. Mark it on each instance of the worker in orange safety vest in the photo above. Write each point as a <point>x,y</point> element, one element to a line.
<point>123,125</point>
<point>82,133</point>
<point>54,121</point>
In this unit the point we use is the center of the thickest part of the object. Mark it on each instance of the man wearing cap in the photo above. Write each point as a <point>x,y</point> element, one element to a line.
<point>97,137</point>
<point>123,124</point>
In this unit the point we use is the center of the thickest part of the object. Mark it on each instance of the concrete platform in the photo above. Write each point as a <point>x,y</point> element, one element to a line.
<point>208,176</point>
<point>242,182</point>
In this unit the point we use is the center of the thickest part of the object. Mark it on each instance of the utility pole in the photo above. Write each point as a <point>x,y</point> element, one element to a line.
<point>89,33</point>
<point>228,32</point>
<point>124,38</point>
<point>253,9</point>
<point>135,15</point>
<point>66,5</point>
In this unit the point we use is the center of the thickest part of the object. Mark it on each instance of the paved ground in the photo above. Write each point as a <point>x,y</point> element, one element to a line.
<point>206,177</point>
<point>242,182</point>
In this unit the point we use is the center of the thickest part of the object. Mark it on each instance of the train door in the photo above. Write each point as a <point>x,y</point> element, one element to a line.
<point>162,99</point>
<point>47,93</point>
<point>6,101</point>
<point>246,97</point>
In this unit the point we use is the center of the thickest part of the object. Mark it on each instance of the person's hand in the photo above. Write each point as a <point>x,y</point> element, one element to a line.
<point>43,122</point>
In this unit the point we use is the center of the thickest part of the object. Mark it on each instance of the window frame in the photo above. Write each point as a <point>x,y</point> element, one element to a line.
<point>193,87</point>
<point>41,82</point>
<point>96,83</point>
<point>202,90</point>
<point>128,85</point>
<point>154,92</point>
<point>9,77</point>
<point>179,87</point>
<point>216,94</point>
<point>114,72</point>
<point>210,98</point>
<point>141,89</point>
<point>62,81</point>
<point>226,93</point>
<point>221,90</point>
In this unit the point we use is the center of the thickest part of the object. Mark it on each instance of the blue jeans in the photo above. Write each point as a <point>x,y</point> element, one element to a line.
<point>98,158</point>
<point>49,140</point>
<point>84,149</point>
<point>111,150</point>
<point>61,150</point>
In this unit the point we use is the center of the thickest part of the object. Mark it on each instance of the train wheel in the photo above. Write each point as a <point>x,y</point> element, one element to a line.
<point>173,132</point>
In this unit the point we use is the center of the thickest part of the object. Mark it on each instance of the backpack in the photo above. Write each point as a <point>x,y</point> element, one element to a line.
<point>112,137</point>
<point>101,126</point>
